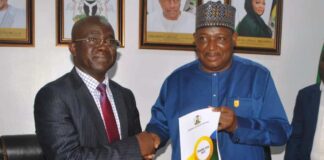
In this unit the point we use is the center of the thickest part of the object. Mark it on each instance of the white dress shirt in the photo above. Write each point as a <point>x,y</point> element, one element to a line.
<point>12,18</point>
<point>92,84</point>
<point>158,23</point>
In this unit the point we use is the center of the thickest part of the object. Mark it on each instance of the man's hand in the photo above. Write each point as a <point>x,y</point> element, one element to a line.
<point>148,143</point>
<point>227,120</point>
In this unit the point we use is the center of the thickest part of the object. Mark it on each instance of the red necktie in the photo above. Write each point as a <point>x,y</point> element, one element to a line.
<point>109,118</point>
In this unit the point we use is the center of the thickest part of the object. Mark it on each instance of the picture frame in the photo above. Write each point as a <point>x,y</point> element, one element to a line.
<point>172,36</point>
<point>261,42</point>
<point>70,11</point>
<point>17,26</point>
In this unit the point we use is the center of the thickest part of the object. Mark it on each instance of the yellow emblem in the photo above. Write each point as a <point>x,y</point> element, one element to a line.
<point>203,149</point>
<point>236,103</point>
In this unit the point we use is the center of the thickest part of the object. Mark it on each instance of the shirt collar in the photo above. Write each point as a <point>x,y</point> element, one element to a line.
<point>91,82</point>
<point>218,72</point>
<point>321,86</point>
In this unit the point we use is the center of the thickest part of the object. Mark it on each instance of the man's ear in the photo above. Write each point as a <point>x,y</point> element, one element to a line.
<point>72,48</point>
<point>194,37</point>
<point>234,38</point>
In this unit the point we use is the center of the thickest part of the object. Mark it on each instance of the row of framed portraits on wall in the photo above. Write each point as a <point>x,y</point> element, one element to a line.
<point>259,29</point>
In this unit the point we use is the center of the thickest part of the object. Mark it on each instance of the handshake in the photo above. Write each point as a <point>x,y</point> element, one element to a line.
<point>148,143</point>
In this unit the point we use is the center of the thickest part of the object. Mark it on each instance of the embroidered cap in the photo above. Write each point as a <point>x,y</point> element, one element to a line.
<point>215,14</point>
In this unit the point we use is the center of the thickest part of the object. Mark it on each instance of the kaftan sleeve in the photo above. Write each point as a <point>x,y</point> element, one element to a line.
<point>158,123</point>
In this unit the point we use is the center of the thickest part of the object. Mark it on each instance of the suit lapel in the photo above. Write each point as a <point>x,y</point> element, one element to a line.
<point>86,100</point>
<point>121,109</point>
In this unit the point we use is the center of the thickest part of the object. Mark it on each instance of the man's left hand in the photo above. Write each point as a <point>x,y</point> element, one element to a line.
<point>227,120</point>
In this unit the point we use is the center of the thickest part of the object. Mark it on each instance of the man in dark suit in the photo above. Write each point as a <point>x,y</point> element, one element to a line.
<point>77,120</point>
<point>306,141</point>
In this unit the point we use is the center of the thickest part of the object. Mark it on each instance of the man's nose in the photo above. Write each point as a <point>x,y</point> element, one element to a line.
<point>212,44</point>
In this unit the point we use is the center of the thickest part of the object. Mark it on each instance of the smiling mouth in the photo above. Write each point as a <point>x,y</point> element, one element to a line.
<point>173,11</point>
<point>260,11</point>
<point>100,57</point>
<point>213,57</point>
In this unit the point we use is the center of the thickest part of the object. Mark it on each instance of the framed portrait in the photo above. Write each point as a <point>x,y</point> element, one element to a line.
<point>17,23</point>
<point>163,28</point>
<point>258,24</point>
<point>70,11</point>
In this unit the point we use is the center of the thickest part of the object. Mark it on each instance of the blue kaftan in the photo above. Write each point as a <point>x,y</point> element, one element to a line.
<point>260,115</point>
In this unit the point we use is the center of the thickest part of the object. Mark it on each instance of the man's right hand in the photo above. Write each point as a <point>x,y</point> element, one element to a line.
<point>148,143</point>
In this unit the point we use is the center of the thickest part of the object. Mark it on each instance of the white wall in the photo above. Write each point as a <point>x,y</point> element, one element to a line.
<point>24,70</point>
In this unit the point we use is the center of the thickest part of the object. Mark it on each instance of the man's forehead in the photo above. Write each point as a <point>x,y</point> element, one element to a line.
<point>100,32</point>
<point>213,29</point>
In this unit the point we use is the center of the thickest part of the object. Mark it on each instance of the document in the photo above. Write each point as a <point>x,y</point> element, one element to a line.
<point>198,135</point>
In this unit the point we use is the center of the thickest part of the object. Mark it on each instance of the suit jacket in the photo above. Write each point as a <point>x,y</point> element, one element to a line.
<point>69,125</point>
<point>304,121</point>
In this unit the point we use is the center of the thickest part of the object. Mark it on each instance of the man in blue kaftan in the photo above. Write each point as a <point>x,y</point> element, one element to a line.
<point>252,115</point>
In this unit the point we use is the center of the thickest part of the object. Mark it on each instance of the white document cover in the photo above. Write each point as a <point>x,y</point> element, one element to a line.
<point>198,135</point>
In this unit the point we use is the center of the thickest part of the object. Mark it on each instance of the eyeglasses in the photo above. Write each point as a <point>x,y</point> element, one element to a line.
<point>94,41</point>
